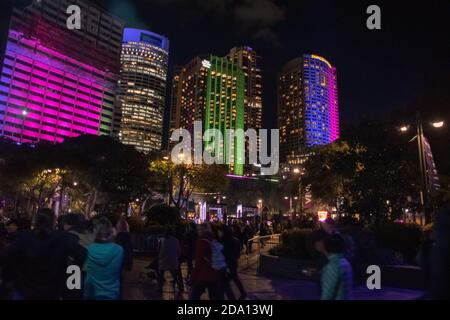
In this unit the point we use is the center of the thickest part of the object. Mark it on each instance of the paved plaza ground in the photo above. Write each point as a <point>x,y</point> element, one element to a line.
<point>140,287</point>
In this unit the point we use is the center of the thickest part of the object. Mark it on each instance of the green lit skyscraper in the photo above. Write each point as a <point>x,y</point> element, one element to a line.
<point>211,90</point>
<point>224,110</point>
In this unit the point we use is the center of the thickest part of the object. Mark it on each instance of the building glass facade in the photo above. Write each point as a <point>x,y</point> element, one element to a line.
<point>225,109</point>
<point>143,80</point>
<point>53,83</point>
<point>308,112</point>
<point>211,90</point>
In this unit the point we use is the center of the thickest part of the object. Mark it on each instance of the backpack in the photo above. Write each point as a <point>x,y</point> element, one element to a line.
<point>217,257</point>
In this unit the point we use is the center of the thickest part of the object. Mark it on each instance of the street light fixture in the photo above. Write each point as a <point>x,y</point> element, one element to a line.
<point>438,124</point>
<point>296,170</point>
<point>424,190</point>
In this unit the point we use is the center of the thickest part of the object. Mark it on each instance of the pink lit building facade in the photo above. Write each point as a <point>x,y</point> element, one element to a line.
<point>55,83</point>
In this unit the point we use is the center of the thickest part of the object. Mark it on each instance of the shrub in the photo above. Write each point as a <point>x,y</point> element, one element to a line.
<point>401,238</point>
<point>295,243</point>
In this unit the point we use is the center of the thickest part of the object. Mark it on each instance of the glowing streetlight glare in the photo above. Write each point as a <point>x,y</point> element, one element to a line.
<point>404,129</point>
<point>285,198</point>
<point>295,198</point>
<point>24,112</point>
<point>260,201</point>
<point>438,124</point>
<point>75,184</point>
<point>296,170</point>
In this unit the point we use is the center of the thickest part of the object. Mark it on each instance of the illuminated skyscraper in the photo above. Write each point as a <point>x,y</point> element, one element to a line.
<point>143,78</point>
<point>308,111</point>
<point>250,63</point>
<point>225,87</point>
<point>212,91</point>
<point>55,82</point>
<point>189,94</point>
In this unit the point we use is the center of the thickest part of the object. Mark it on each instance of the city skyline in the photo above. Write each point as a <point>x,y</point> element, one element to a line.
<point>269,71</point>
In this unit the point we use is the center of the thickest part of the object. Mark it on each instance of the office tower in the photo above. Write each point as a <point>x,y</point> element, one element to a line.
<point>58,83</point>
<point>225,87</point>
<point>250,63</point>
<point>143,78</point>
<point>212,91</point>
<point>308,112</point>
<point>189,93</point>
<point>174,121</point>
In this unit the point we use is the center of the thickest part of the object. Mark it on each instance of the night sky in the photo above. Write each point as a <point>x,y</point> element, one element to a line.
<point>378,70</point>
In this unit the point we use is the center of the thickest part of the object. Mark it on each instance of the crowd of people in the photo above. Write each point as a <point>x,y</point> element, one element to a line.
<point>35,259</point>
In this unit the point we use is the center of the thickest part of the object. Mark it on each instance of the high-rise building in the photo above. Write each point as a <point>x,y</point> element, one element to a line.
<point>142,95</point>
<point>55,82</point>
<point>174,121</point>
<point>250,63</point>
<point>225,87</point>
<point>212,91</point>
<point>189,94</point>
<point>308,111</point>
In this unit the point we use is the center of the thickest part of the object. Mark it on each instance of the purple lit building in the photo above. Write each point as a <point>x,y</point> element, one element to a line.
<point>308,112</point>
<point>58,83</point>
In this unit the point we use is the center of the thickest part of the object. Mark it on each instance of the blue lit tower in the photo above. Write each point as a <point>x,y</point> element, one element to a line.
<point>308,112</point>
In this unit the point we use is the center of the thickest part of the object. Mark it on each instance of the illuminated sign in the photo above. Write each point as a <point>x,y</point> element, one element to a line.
<point>322,215</point>
<point>321,59</point>
<point>206,64</point>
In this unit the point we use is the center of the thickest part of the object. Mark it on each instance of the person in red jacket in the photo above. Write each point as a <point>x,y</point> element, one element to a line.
<point>204,276</point>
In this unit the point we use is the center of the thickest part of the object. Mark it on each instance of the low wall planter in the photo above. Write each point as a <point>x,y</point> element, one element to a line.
<point>285,267</point>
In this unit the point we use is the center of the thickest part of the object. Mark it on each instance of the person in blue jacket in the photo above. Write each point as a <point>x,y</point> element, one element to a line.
<point>103,264</point>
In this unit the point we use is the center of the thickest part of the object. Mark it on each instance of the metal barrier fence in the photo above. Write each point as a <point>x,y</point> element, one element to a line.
<point>255,247</point>
<point>250,258</point>
<point>145,243</point>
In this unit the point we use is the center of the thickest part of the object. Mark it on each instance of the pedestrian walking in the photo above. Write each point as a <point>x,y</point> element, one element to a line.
<point>204,276</point>
<point>103,264</point>
<point>232,252</point>
<point>169,259</point>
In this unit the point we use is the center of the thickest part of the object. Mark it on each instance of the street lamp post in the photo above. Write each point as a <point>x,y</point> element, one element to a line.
<point>300,190</point>
<point>424,188</point>
<point>423,177</point>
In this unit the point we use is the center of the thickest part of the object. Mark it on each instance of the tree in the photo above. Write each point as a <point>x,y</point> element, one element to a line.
<point>330,169</point>
<point>116,174</point>
<point>179,181</point>
<point>163,214</point>
<point>374,173</point>
<point>97,173</point>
